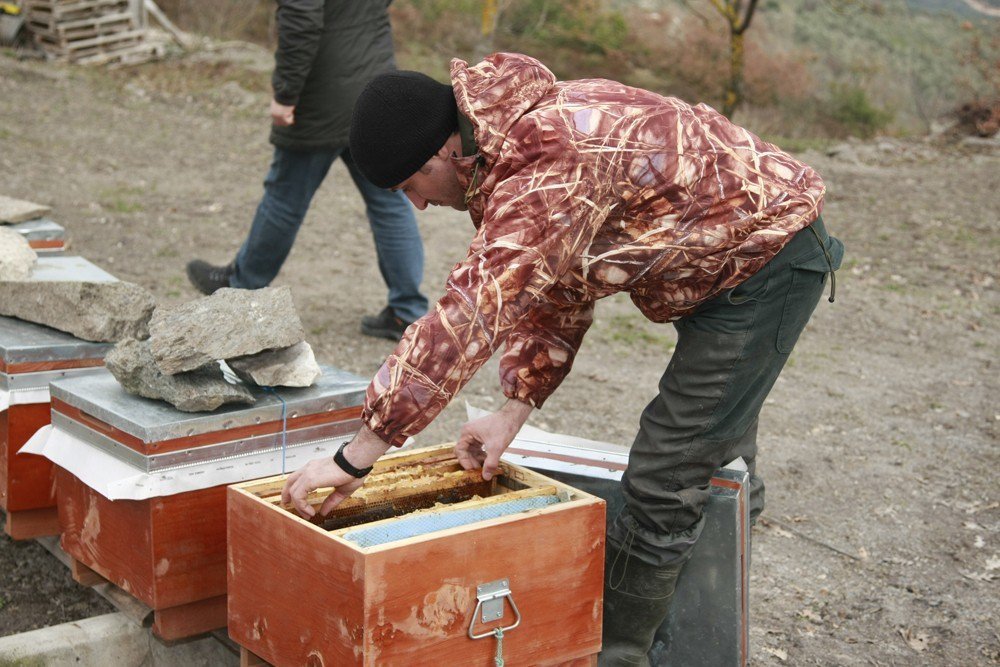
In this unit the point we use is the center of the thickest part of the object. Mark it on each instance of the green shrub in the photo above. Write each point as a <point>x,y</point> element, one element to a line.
<point>854,112</point>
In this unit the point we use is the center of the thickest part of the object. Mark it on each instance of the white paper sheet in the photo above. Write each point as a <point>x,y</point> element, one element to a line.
<point>536,448</point>
<point>23,397</point>
<point>116,480</point>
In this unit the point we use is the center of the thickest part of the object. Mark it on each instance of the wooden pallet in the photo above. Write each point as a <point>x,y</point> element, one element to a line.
<point>90,31</point>
<point>135,55</point>
<point>51,10</point>
<point>66,31</point>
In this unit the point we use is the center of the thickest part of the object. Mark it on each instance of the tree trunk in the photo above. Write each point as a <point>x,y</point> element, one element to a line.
<point>734,88</point>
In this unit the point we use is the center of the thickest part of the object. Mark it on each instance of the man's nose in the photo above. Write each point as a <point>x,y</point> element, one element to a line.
<point>417,200</point>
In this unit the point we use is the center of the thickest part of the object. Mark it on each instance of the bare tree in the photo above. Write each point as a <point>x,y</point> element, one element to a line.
<point>738,14</point>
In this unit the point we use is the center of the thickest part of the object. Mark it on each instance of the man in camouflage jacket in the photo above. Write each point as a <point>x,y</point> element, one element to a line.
<point>579,190</point>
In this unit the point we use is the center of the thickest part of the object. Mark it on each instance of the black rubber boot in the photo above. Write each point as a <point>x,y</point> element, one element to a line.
<point>207,278</point>
<point>384,325</point>
<point>636,601</point>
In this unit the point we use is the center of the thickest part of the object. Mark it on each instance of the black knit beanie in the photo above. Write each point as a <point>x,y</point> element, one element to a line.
<point>400,120</point>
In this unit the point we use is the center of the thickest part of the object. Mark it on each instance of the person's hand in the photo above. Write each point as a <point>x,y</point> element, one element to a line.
<point>483,440</point>
<point>363,451</point>
<point>314,475</point>
<point>282,115</point>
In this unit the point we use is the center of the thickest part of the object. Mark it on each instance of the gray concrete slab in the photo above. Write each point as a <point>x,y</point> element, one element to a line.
<point>112,640</point>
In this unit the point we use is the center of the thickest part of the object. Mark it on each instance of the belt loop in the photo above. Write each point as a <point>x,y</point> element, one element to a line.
<point>829,262</point>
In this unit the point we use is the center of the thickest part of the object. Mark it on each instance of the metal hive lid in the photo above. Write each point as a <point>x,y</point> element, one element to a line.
<point>22,341</point>
<point>99,395</point>
<point>72,268</point>
<point>40,229</point>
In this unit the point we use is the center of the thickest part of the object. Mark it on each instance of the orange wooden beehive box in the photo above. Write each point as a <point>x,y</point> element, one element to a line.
<point>421,559</point>
<point>166,546</point>
<point>31,356</point>
<point>43,235</point>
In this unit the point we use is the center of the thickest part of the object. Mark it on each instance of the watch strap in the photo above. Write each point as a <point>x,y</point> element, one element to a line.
<point>346,466</point>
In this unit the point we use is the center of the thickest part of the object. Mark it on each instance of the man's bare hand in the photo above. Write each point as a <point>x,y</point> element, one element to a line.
<point>317,474</point>
<point>363,451</point>
<point>281,115</point>
<point>483,440</point>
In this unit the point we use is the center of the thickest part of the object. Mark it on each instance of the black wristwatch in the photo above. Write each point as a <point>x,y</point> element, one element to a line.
<point>345,465</point>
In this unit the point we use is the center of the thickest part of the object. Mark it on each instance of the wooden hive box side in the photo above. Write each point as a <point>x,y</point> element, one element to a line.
<point>26,480</point>
<point>189,546</point>
<point>278,564</point>
<point>422,591</point>
<point>113,538</point>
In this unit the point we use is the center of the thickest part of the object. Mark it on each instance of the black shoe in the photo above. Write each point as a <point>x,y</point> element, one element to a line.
<point>207,278</point>
<point>384,325</point>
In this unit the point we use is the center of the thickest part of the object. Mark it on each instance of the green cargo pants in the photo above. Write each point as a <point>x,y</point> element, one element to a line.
<point>729,354</point>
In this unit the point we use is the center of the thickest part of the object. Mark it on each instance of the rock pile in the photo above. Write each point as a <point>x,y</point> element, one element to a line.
<point>230,323</point>
<point>256,332</point>
<point>199,390</point>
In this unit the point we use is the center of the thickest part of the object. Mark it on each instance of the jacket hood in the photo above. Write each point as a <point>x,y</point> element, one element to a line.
<point>496,92</point>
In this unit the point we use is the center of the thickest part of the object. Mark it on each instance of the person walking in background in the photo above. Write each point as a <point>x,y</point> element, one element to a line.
<point>327,52</point>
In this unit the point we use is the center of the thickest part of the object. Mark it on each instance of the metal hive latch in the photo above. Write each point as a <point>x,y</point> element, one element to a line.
<point>490,602</point>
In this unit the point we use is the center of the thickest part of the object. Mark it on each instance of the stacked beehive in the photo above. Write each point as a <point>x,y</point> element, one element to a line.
<point>91,31</point>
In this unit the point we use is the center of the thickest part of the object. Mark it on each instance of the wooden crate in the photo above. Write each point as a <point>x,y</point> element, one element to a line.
<point>169,553</point>
<point>302,593</point>
<point>27,495</point>
<point>31,355</point>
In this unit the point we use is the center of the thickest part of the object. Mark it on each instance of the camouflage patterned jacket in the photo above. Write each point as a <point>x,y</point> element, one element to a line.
<point>583,189</point>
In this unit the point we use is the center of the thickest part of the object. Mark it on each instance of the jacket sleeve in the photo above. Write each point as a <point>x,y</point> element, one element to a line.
<point>300,27</point>
<point>540,351</point>
<point>536,223</point>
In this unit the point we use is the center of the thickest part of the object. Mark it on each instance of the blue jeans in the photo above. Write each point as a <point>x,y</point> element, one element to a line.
<point>288,190</point>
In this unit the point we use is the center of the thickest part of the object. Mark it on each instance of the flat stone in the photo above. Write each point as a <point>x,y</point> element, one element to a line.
<point>200,390</point>
<point>19,210</point>
<point>103,312</point>
<point>230,323</point>
<point>293,366</point>
<point>17,257</point>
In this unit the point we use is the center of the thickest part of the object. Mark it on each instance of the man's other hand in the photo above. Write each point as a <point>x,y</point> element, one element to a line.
<point>483,440</point>
<point>281,115</point>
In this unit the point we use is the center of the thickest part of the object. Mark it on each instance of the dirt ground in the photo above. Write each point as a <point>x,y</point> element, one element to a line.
<point>878,444</point>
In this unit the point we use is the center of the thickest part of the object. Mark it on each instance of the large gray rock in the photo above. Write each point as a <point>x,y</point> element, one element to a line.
<point>201,390</point>
<point>230,323</point>
<point>17,257</point>
<point>293,366</point>
<point>104,312</point>
<point>18,210</point>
